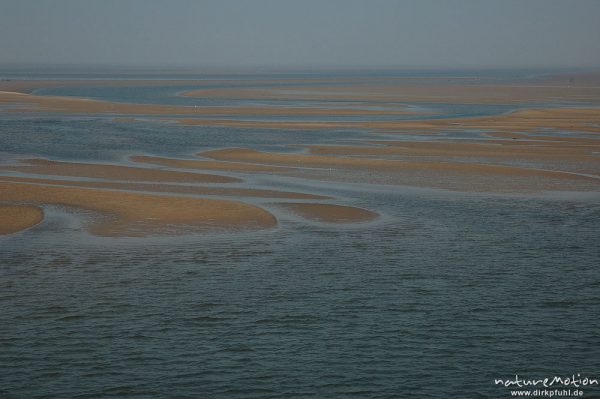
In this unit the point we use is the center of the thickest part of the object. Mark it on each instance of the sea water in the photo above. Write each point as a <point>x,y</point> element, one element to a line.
<point>438,297</point>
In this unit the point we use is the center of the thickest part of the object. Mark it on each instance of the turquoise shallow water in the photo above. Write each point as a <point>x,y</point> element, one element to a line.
<point>441,295</point>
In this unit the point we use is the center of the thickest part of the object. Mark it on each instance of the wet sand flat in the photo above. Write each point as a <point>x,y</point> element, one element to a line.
<point>556,156</point>
<point>168,188</point>
<point>75,105</point>
<point>331,213</point>
<point>199,164</point>
<point>444,173</point>
<point>28,85</point>
<point>300,160</point>
<point>529,120</point>
<point>133,214</point>
<point>442,149</point>
<point>15,218</point>
<point>570,140</point>
<point>513,150</point>
<point>270,124</point>
<point>114,172</point>
<point>401,90</point>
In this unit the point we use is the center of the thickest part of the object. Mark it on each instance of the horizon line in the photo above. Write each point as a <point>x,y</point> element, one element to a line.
<point>31,66</point>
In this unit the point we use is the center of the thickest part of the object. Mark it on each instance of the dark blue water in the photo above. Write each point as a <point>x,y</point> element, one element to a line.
<point>442,294</point>
<point>436,301</point>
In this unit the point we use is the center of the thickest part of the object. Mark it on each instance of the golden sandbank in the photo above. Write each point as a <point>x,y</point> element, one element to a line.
<point>14,218</point>
<point>76,105</point>
<point>529,120</point>
<point>443,173</point>
<point>455,149</point>
<point>168,188</point>
<point>401,90</point>
<point>301,160</point>
<point>200,164</point>
<point>272,124</point>
<point>331,213</point>
<point>135,214</point>
<point>29,85</point>
<point>114,172</point>
<point>561,156</point>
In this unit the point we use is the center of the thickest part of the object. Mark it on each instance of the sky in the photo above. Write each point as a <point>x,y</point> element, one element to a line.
<point>301,33</point>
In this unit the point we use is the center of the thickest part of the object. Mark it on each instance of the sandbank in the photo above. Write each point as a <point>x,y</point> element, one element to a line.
<point>75,105</point>
<point>15,218</point>
<point>402,90</point>
<point>444,148</point>
<point>168,188</point>
<point>446,174</point>
<point>135,214</point>
<point>530,120</point>
<point>527,120</point>
<point>300,160</point>
<point>271,124</point>
<point>331,213</point>
<point>114,172</point>
<point>199,164</point>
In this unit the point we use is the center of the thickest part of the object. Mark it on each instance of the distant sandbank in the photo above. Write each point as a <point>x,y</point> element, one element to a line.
<point>75,105</point>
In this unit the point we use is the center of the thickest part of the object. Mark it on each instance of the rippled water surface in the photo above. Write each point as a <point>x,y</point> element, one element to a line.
<point>442,294</point>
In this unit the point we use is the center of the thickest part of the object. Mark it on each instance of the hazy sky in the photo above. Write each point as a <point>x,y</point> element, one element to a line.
<point>280,33</point>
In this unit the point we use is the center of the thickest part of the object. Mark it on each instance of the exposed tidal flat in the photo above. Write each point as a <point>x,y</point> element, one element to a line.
<point>374,236</point>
